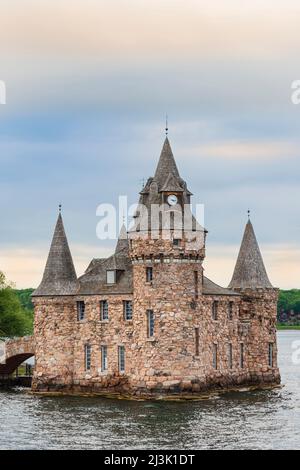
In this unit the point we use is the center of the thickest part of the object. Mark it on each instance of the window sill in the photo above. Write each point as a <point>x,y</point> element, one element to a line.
<point>151,340</point>
<point>104,321</point>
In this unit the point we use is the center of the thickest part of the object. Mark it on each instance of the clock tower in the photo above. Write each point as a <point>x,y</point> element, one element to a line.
<point>167,249</point>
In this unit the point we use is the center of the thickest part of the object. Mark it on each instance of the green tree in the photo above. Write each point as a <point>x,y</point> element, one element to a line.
<point>14,319</point>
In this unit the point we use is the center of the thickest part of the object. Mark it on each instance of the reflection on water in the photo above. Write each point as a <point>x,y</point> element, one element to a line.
<point>247,420</point>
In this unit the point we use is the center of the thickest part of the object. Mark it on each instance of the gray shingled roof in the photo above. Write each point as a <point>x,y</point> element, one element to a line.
<point>166,165</point>
<point>210,288</point>
<point>59,276</point>
<point>249,271</point>
<point>166,179</point>
<point>122,243</point>
<point>172,184</point>
<point>94,279</point>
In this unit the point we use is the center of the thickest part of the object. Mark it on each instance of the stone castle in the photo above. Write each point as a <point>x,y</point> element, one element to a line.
<point>146,321</point>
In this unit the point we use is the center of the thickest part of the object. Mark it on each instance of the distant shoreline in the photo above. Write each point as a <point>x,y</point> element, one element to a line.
<point>288,327</point>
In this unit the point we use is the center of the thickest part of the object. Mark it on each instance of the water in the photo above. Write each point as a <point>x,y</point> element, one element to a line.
<point>241,420</point>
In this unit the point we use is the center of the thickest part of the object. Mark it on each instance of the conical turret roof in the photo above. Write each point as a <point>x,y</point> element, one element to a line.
<point>249,271</point>
<point>59,276</point>
<point>166,165</point>
<point>122,243</point>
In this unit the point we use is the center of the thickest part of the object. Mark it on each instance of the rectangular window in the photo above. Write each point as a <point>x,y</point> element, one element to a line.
<point>196,284</point>
<point>87,357</point>
<point>230,310</point>
<point>270,354</point>
<point>242,355</point>
<point>103,358</point>
<point>197,341</point>
<point>127,307</point>
<point>150,323</point>
<point>110,277</point>
<point>215,310</point>
<point>215,356</point>
<point>149,274</point>
<point>80,310</point>
<point>103,310</point>
<point>176,241</point>
<point>121,355</point>
<point>230,361</point>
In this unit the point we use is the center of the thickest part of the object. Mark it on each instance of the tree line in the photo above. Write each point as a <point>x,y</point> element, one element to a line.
<point>16,310</point>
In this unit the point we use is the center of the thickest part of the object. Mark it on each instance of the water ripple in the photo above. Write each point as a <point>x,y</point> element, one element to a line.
<point>241,420</point>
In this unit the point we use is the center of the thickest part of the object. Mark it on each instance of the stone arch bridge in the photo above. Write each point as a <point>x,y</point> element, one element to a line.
<point>14,352</point>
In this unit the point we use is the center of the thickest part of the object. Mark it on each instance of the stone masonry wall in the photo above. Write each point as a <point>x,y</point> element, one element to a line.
<point>170,361</point>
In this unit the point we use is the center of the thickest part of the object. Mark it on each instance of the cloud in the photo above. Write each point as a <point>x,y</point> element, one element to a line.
<point>245,150</point>
<point>172,28</point>
<point>88,86</point>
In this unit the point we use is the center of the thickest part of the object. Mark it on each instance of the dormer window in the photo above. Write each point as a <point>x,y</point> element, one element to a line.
<point>111,277</point>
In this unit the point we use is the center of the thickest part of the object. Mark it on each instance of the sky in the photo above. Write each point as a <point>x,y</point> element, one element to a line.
<point>88,85</point>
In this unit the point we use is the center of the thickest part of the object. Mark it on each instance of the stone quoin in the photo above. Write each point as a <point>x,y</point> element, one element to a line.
<point>146,321</point>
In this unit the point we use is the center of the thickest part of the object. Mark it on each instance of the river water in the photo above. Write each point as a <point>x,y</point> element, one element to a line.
<point>240,420</point>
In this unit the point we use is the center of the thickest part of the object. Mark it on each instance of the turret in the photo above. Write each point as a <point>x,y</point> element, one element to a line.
<point>55,315</point>
<point>250,271</point>
<point>59,276</point>
<point>167,258</point>
<point>258,310</point>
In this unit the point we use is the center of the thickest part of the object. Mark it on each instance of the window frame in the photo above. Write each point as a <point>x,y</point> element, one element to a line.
<point>215,306</point>
<point>104,358</point>
<point>242,356</point>
<point>197,341</point>
<point>87,357</point>
<point>150,323</point>
<point>104,310</point>
<point>271,354</point>
<point>230,356</point>
<point>80,310</point>
<point>125,309</point>
<point>230,310</point>
<point>196,284</point>
<point>114,275</point>
<point>149,269</point>
<point>121,359</point>
<point>215,356</point>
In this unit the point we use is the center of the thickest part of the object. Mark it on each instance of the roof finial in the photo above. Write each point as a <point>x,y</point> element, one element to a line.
<point>59,208</point>
<point>248,212</point>
<point>167,129</point>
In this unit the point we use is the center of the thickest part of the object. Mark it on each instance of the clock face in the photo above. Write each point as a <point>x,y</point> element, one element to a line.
<point>172,200</point>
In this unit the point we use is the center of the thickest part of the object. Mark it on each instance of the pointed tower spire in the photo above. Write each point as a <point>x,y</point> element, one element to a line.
<point>166,165</point>
<point>59,276</point>
<point>249,271</point>
<point>122,243</point>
